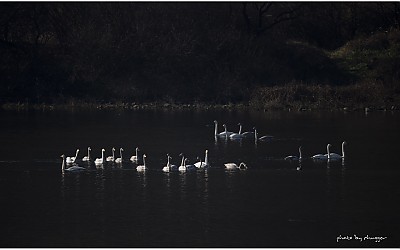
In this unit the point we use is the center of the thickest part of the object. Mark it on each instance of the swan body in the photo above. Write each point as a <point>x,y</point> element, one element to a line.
<point>222,134</point>
<point>334,156</point>
<point>74,168</point>
<point>184,167</point>
<point>119,159</point>
<point>262,138</point>
<point>101,160</point>
<point>169,167</point>
<point>294,157</point>
<point>87,158</point>
<point>203,164</point>
<point>321,157</point>
<point>248,135</point>
<point>142,168</point>
<point>233,166</point>
<point>135,158</point>
<point>112,157</point>
<point>72,159</point>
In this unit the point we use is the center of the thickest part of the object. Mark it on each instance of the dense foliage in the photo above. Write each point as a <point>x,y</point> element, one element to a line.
<point>190,52</point>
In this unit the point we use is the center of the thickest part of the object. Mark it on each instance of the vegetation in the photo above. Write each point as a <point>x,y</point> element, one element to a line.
<point>263,55</point>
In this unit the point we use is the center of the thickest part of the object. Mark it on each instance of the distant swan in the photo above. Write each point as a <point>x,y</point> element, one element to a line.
<point>184,167</point>
<point>203,164</point>
<point>169,167</point>
<point>237,136</point>
<point>72,159</point>
<point>222,134</point>
<point>321,157</point>
<point>334,156</point>
<point>248,134</point>
<point>87,158</point>
<point>135,157</point>
<point>294,157</point>
<point>143,167</point>
<point>119,159</point>
<point>101,160</point>
<point>232,166</point>
<point>111,158</point>
<point>262,138</point>
<point>74,168</point>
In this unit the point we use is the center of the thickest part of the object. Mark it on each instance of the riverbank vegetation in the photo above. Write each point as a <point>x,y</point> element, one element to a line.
<point>264,55</point>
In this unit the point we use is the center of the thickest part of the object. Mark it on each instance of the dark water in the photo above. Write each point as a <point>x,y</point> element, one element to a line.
<point>271,204</point>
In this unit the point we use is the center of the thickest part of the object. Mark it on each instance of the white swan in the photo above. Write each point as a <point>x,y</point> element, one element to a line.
<point>72,159</point>
<point>74,168</point>
<point>169,167</point>
<point>294,157</point>
<point>87,158</point>
<point>111,158</point>
<point>248,134</point>
<point>321,157</point>
<point>143,167</point>
<point>186,167</point>
<point>203,164</point>
<point>237,136</point>
<point>262,138</point>
<point>222,134</point>
<point>101,160</point>
<point>232,166</point>
<point>334,156</point>
<point>135,157</point>
<point>119,159</point>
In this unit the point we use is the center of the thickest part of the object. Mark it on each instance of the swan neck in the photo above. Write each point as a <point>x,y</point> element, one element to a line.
<point>240,129</point>
<point>206,158</point>
<point>328,151</point>
<point>216,128</point>
<point>343,150</point>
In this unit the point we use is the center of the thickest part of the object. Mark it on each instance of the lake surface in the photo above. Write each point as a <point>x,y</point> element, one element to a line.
<point>271,204</point>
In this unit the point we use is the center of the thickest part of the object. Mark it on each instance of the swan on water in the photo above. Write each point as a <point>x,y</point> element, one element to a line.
<point>112,157</point>
<point>262,138</point>
<point>334,156</point>
<point>73,168</point>
<point>294,157</point>
<point>72,159</point>
<point>321,157</point>
<point>169,167</point>
<point>203,164</point>
<point>143,167</point>
<point>237,136</point>
<point>232,166</point>
<point>135,158</point>
<point>101,160</point>
<point>119,159</point>
<point>222,134</point>
<point>87,158</point>
<point>248,134</point>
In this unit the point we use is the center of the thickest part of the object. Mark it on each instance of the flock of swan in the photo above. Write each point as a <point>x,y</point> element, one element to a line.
<point>70,163</point>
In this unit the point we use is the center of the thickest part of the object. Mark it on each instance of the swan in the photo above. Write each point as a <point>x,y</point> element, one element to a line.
<point>321,157</point>
<point>334,156</point>
<point>236,136</point>
<point>203,164</point>
<point>119,159</point>
<point>74,168</point>
<point>111,158</point>
<point>232,166</point>
<point>72,159</point>
<point>87,158</point>
<point>248,134</point>
<point>169,167</point>
<point>262,138</point>
<point>224,134</point>
<point>294,157</point>
<point>101,160</point>
<point>135,158</point>
<point>143,167</point>
<point>184,167</point>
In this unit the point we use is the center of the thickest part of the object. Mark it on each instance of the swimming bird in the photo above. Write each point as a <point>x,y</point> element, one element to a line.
<point>222,134</point>
<point>169,167</point>
<point>237,136</point>
<point>262,138</point>
<point>203,164</point>
<point>119,159</point>
<point>101,160</point>
<point>294,157</point>
<point>321,157</point>
<point>74,168</point>
<point>135,157</point>
<point>112,157</point>
<point>87,158</point>
<point>334,156</point>
<point>232,166</point>
<point>248,134</point>
<point>142,168</point>
<point>72,159</point>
